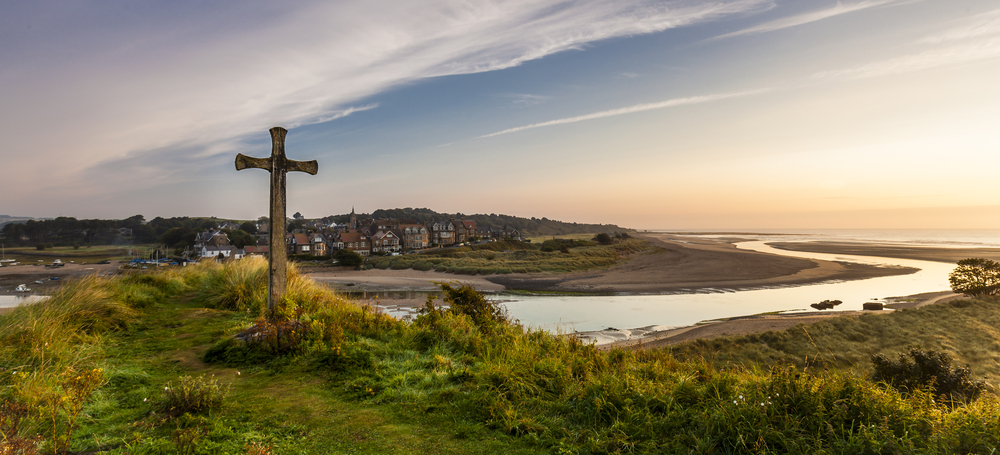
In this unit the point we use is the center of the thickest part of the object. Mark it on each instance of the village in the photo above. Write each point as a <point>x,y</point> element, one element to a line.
<point>364,236</point>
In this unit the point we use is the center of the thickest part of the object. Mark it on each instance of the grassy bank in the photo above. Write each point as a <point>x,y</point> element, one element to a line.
<point>964,329</point>
<point>153,364</point>
<point>516,257</point>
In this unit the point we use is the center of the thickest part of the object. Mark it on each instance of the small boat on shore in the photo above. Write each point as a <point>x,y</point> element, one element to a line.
<point>22,288</point>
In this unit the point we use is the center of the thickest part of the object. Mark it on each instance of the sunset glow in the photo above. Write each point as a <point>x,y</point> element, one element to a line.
<point>646,114</point>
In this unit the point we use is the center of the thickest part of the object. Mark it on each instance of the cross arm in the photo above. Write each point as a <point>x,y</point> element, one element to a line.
<point>245,162</point>
<point>309,167</point>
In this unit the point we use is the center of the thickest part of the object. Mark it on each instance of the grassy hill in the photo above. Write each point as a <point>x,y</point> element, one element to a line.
<point>148,363</point>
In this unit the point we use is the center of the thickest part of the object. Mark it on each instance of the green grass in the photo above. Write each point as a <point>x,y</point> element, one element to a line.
<point>351,380</point>
<point>968,330</point>
<point>491,258</point>
<point>84,254</point>
<point>541,238</point>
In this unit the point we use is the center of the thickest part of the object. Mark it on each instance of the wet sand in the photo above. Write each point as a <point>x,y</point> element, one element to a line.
<point>28,274</point>
<point>949,255</point>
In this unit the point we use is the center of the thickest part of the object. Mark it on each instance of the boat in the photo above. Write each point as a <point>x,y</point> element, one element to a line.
<point>21,288</point>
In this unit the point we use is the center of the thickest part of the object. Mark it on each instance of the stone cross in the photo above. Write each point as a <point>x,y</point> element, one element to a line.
<point>277,165</point>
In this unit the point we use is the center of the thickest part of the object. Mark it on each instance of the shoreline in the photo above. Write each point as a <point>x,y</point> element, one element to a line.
<point>652,337</point>
<point>920,253</point>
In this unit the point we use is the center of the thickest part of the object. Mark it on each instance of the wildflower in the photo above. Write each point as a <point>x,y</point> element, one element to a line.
<point>237,373</point>
<point>741,397</point>
<point>144,400</point>
<point>166,388</point>
<point>734,402</point>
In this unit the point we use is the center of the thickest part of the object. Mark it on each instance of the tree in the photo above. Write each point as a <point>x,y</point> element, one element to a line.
<point>239,238</point>
<point>249,228</point>
<point>348,257</point>
<point>298,216</point>
<point>975,277</point>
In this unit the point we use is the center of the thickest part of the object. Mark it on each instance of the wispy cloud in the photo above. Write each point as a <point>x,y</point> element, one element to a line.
<point>812,16</point>
<point>526,99</point>
<point>967,40</point>
<point>630,109</point>
<point>953,55</point>
<point>981,25</point>
<point>210,79</point>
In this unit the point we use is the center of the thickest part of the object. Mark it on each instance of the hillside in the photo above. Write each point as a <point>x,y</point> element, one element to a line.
<point>148,363</point>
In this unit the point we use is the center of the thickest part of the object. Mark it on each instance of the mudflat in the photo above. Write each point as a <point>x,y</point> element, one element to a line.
<point>29,274</point>
<point>949,255</point>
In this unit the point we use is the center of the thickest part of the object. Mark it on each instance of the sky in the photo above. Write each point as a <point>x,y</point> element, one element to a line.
<point>742,114</point>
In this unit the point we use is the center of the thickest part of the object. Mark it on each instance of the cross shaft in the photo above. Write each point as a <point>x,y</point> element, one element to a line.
<point>278,165</point>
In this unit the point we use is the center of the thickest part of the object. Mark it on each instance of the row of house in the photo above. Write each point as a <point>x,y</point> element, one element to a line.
<point>365,237</point>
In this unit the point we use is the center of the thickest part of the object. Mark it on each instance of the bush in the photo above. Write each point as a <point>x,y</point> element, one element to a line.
<point>929,370</point>
<point>193,395</point>
<point>423,266</point>
<point>465,299</point>
<point>348,258</point>
<point>603,239</point>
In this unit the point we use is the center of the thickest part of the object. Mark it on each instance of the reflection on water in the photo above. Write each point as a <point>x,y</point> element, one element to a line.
<point>10,301</point>
<point>388,296</point>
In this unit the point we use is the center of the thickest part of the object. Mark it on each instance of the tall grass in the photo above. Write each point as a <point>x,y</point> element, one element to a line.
<point>573,398</point>
<point>966,330</point>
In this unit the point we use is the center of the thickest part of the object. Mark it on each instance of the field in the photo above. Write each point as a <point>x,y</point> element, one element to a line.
<point>82,255</point>
<point>506,257</point>
<point>538,239</point>
<point>148,363</point>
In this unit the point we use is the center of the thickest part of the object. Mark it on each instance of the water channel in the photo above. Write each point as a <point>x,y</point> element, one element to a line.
<point>584,313</point>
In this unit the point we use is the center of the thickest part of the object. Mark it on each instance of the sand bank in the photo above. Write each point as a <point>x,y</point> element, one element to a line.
<point>949,255</point>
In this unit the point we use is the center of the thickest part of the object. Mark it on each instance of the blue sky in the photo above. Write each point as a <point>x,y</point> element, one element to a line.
<point>684,114</point>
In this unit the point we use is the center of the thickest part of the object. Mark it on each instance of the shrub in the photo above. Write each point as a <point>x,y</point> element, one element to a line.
<point>465,299</point>
<point>929,370</point>
<point>603,239</point>
<point>423,266</point>
<point>348,258</point>
<point>193,395</point>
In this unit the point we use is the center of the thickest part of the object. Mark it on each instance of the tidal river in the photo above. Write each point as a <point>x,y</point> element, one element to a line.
<point>585,313</point>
